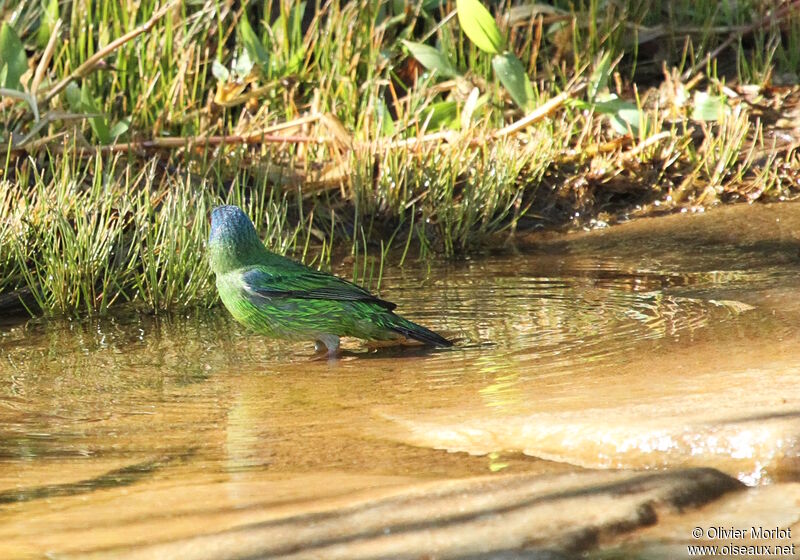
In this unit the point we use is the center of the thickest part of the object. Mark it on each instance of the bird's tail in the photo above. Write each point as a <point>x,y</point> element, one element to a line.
<point>418,332</point>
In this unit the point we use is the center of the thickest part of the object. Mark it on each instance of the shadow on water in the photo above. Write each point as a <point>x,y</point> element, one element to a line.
<point>661,344</point>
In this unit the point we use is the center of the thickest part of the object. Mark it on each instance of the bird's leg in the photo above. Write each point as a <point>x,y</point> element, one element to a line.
<point>329,342</point>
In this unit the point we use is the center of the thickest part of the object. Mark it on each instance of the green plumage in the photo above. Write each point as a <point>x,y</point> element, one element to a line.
<point>278,297</point>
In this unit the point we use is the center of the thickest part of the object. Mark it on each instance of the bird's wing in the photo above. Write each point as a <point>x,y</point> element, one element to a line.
<point>305,284</point>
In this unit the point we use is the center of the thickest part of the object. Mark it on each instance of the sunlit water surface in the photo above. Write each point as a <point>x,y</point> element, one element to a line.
<point>664,343</point>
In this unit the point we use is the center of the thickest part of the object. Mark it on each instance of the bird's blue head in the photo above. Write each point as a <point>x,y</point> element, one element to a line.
<point>229,222</point>
<point>233,241</point>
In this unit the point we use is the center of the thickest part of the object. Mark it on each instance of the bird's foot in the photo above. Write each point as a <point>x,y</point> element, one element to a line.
<point>327,346</point>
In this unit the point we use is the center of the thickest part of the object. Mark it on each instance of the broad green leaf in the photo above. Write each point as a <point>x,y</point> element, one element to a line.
<point>49,11</point>
<point>514,78</point>
<point>98,122</point>
<point>296,17</point>
<point>219,71</point>
<point>12,54</point>
<point>624,116</point>
<point>599,78</point>
<point>629,119</point>
<point>385,121</point>
<point>479,25</point>
<point>431,58</point>
<point>288,38</point>
<point>251,42</point>
<point>709,107</point>
<point>73,95</point>
<point>294,62</point>
<point>293,26</point>
<point>440,115</point>
<point>120,128</point>
<point>80,101</point>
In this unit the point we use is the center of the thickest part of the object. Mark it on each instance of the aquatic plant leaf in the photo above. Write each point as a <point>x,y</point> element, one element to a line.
<point>514,78</point>
<point>479,25</point>
<point>258,54</point>
<point>12,56</point>
<point>709,107</point>
<point>48,19</point>
<point>431,58</point>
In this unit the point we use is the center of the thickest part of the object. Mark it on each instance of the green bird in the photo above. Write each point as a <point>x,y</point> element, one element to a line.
<point>281,298</point>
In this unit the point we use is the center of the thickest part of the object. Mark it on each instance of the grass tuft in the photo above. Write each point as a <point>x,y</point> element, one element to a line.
<point>123,124</point>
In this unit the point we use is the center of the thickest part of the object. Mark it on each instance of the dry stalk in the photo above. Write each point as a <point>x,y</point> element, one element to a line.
<point>97,57</point>
<point>47,56</point>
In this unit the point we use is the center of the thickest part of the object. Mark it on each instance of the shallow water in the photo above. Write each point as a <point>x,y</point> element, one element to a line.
<point>663,343</point>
